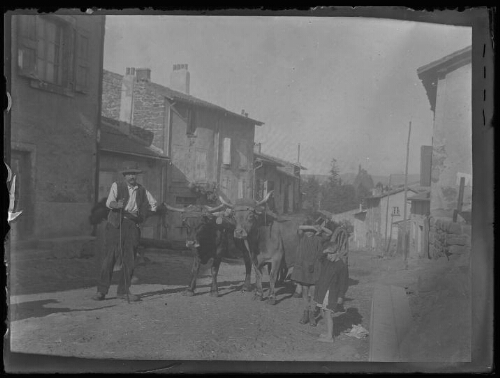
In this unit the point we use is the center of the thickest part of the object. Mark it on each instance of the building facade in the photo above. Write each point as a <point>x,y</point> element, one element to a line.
<point>383,211</point>
<point>283,177</point>
<point>116,146</point>
<point>448,83</point>
<point>56,71</point>
<point>210,148</point>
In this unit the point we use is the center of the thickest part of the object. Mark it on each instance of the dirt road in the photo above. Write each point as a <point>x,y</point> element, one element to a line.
<point>52,313</point>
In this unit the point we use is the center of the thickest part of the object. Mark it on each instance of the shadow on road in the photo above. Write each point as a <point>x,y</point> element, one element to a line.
<point>37,309</point>
<point>182,289</point>
<point>353,282</point>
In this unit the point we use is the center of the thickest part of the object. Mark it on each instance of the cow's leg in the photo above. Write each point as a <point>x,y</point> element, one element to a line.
<point>214,291</point>
<point>259,292</point>
<point>248,269</point>
<point>194,275</point>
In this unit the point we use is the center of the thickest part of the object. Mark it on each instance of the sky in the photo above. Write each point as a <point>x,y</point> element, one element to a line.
<point>344,88</point>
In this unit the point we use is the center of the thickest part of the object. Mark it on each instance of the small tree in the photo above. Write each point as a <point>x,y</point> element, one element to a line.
<point>334,178</point>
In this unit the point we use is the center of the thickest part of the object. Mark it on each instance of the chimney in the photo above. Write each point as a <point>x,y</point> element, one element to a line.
<point>257,147</point>
<point>143,74</point>
<point>179,78</point>
<point>127,96</point>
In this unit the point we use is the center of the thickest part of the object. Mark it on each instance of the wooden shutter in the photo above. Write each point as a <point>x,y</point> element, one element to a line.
<point>226,153</point>
<point>27,44</point>
<point>82,61</point>
<point>68,58</point>
<point>200,171</point>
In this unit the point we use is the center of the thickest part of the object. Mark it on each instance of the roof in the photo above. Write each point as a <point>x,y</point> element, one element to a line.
<point>113,140</point>
<point>186,98</point>
<point>279,161</point>
<point>429,73</point>
<point>425,196</point>
<point>267,160</point>
<point>390,193</point>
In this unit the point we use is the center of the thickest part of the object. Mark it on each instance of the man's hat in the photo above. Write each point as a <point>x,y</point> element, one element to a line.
<point>130,167</point>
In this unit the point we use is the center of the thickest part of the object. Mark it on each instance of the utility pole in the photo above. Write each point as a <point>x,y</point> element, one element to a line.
<point>387,214</point>
<point>405,249</point>
<point>300,178</point>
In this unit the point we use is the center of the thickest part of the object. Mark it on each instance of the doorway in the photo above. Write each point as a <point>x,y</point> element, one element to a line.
<point>22,227</point>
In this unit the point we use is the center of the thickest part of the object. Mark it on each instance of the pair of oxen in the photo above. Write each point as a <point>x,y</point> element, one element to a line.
<point>263,238</point>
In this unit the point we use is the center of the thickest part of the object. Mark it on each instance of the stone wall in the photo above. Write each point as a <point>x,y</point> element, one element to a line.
<point>149,111</point>
<point>449,239</point>
<point>111,94</point>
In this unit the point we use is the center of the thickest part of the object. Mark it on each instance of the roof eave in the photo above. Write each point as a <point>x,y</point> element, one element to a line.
<point>134,154</point>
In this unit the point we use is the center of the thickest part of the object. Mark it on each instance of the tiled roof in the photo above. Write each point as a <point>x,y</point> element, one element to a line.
<point>390,193</point>
<point>425,196</point>
<point>183,97</point>
<point>114,140</point>
<point>278,160</point>
<point>428,74</point>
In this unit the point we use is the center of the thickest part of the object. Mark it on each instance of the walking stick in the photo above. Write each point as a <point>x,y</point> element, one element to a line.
<point>125,270</point>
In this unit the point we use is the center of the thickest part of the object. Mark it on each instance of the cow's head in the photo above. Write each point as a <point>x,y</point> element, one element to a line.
<point>247,215</point>
<point>199,222</point>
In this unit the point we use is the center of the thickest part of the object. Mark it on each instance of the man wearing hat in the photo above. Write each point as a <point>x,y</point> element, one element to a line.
<point>129,203</point>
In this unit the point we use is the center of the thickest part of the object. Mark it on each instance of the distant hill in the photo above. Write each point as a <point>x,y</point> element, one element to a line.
<point>348,178</point>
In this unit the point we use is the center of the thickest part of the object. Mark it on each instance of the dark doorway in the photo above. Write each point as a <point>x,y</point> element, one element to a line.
<point>22,227</point>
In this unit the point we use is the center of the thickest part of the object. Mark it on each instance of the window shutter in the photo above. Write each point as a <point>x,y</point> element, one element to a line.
<point>226,153</point>
<point>241,188</point>
<point>26,49</point>
<point>68,58</point>
<point>82,61</point>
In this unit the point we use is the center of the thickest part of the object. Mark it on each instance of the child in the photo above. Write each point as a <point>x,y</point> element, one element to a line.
<point>306,268</point>
<point>330,287</point>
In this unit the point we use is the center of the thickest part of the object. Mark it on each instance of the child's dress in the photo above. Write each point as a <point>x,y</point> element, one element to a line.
<point>331,283</point>
<point>308,252</point>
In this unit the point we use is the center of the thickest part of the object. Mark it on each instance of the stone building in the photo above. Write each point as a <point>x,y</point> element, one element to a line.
<point>209,147</point>
<point>448,83</point>
<point>123,142</point>
<point>272,173</point>
<point>54,83</point>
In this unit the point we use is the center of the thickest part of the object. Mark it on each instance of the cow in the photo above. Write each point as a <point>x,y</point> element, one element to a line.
<point>267,238</point>
<point>207,233</point>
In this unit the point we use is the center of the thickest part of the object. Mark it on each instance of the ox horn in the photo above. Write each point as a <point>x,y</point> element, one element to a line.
<point>214,209</point>
<point>225,203</point>
<point>168,207</point>
<point>260,203</point>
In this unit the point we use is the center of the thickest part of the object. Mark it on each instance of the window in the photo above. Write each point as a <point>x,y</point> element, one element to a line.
<point>49,51</point>
<point>53,52</point>
<point>395,211</point>
<point>191,122</point>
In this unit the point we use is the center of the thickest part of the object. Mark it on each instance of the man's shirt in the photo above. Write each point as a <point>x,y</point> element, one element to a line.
<point>131,206</point>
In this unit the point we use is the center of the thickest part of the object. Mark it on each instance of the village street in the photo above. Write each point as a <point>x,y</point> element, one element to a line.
<point>52,313</point>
